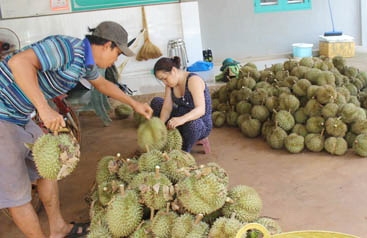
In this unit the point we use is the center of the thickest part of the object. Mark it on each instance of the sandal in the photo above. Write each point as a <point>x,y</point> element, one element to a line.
<point>78,230</point>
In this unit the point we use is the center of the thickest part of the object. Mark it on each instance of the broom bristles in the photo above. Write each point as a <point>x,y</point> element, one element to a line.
<point>148,51</point>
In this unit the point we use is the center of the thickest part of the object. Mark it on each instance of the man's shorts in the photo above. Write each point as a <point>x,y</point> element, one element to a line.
<point>17,168</point>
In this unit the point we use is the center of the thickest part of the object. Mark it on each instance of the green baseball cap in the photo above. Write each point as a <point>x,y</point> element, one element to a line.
<point>114,32</point>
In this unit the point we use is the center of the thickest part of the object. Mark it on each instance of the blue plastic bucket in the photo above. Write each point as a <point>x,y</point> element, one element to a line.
<point>301,50</point>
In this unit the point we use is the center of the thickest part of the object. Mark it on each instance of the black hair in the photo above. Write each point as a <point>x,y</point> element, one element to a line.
<point>96,40</point>
<point>166,64</point>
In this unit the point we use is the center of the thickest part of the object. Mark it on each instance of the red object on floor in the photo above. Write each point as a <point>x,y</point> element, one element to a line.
<point>205,143</point>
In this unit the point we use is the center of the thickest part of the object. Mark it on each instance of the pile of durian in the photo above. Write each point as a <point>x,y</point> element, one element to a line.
<point>315,104</point>
<point>164,193</point>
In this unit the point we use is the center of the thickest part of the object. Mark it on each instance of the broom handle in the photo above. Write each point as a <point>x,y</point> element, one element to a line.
<point>145,24</point>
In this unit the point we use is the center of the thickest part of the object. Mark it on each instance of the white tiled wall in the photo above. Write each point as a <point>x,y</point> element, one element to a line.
<point>165,22</point>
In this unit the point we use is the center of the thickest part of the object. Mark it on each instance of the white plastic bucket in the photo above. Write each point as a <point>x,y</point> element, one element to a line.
<point>301,50</point>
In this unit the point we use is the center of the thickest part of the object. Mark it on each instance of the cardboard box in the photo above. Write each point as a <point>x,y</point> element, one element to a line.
<point>337,46</point>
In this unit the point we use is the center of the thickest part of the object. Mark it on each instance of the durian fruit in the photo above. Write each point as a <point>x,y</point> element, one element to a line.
<point>149,160</point>
<point>294,143</point>
<point>124,213</point>
<point>128,170</point>
<point>350,113</point>
<point>275,138</point>
<point>174,140</point>
<point>55,156</point>
<point>359,127</point>
<point>225,227</point>
<point>143,230</point>
<point>202,192</point>
<point>103,173</point>
<point>313,108</point>
<point>300,129</point>
<point>360,145</point>
<point>251,127</point>
<point>246,205</point>
<point>154,187</point>
<point>243,107</point>
<point>300,87</point>
<point>231,118</point>
<point>284,119</point>
<point>270,224</point>
<point>175,164</point>
<point>315,124</point>
<point>336,145</point>
<point>288,102</point>
<point>106,190</point>
<point>350,137</point>
<point>329,110</point>
<point>99,231</point>
<point>335,127</point>
<point>187,226</point>
<point>260,112</point>
<point>219,118</point>
<point>300,116</point>
<point>123,111</point>
<point>315,142</point>
<point>152,134</point>
<point>162,223</point>
<point>326,94</point>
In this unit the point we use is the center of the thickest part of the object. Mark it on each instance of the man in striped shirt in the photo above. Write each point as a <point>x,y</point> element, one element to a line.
<point>28,78</point>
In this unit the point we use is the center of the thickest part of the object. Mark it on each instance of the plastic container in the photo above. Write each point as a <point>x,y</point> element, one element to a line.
<point>301,50</point>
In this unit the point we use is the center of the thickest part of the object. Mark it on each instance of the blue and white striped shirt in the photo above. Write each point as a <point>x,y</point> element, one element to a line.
<point>64,61</point>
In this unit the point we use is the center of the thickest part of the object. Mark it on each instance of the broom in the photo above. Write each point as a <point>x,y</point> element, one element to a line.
<point>148,50</point>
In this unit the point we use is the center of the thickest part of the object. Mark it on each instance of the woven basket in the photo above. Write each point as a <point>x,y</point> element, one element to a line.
<point>294,234</point>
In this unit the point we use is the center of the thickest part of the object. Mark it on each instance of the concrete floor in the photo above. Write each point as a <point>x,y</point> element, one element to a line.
<point>307,191</point>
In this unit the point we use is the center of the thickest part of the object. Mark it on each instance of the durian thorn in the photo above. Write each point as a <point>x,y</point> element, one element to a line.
<point>229,200</point>
<point>157,173</point>
<point>198,218</point>
<point>166,156</point>
<point>151,213</point>
<point>122,189</point>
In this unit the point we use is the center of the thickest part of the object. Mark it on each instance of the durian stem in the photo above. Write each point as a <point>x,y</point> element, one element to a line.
<point>166,157</point>
<point>198,219</point>
<point>167,207</point>
<point>157,174</point>
<point>151,213</point>
<point>122,189</point>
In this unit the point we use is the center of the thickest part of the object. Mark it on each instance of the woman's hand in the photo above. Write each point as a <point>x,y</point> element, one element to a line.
<point>175,122</point>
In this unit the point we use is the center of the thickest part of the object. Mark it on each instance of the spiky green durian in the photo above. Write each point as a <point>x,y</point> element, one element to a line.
<point>270,224</point>
<point>312,108</point>
<point>359,127</point>
<point>294,143</point>
<point>175,163</point>
<point>300,116</point>
<point>219,118</point>
<point>315,142</point>
<point>149,160</point>
<point>124,213</point>
<point>152,134</point>
<point>315,124</point>
<point>284,119</point>
<point>202,192</point>
<point>351,113</point>
<point>330,110</point>
<point>260,112</point>
<point>103,173</point>
<point>162,223</point>
<point>335,127</point>
<point>100,231</point>
<point>246,205</point>
<point>350,138</point>
<point>186,226</point>
<point>288,102</point>
<point>336,145</point>
<point>143,230</point>
<point>154,187</point>
<point>251,127</point>
<point>243,107</point>
<point>138,119</point>
<point>300,87</point>
<point>128,170</point>
<point>276,137</point>
<point>326,94</point>
<point>225,227</point>
<point>174,140</point>
<point>360,145</point>
<point>231,118</point>
<point>55,156</point>
<point>123,111</point>
<point>300,129</point>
